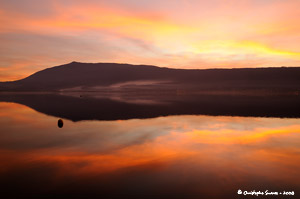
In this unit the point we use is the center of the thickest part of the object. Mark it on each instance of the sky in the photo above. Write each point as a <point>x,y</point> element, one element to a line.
<point>36,34</point>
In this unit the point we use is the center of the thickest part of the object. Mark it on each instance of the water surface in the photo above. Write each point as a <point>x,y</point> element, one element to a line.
<point>179,156</point>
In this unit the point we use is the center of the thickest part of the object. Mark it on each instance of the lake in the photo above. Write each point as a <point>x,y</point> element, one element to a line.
<point>160,156</point>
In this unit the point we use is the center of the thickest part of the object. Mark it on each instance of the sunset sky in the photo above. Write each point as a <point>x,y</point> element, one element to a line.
<point>37,34</point>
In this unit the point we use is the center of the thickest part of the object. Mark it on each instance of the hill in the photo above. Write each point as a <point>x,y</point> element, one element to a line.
<point>97,76</point>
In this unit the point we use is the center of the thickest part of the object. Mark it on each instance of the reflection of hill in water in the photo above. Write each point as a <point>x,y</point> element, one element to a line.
<point>95,106</point>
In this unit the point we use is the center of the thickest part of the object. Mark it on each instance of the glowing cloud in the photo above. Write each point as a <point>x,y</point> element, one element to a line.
<point>180,34</point>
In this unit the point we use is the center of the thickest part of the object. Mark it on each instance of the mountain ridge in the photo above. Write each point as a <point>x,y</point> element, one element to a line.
<point>87,75</point>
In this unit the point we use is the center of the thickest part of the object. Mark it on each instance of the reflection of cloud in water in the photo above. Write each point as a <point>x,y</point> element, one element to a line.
<point>119,97</point>
<point>119,92</point>
<point>212,156</point>
<point>136,101</point>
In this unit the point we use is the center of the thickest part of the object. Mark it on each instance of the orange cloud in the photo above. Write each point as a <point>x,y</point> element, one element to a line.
<point>182,35</point>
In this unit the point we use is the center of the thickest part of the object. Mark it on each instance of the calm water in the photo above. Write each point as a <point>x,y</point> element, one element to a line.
<point>183,156</point>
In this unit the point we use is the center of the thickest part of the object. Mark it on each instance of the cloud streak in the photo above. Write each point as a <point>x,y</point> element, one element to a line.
<point>179,34</point>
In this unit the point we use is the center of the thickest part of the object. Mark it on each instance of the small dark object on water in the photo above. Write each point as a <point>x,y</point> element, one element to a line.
<point>60,123</point>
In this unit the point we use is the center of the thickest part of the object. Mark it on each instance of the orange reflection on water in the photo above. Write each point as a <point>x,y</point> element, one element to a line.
<point>229,151</point>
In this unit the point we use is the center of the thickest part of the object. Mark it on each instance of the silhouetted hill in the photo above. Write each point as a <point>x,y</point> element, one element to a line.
<point>104,75</point>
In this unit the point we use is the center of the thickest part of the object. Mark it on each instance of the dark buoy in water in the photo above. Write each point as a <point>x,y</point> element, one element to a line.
<point>60,123</point>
